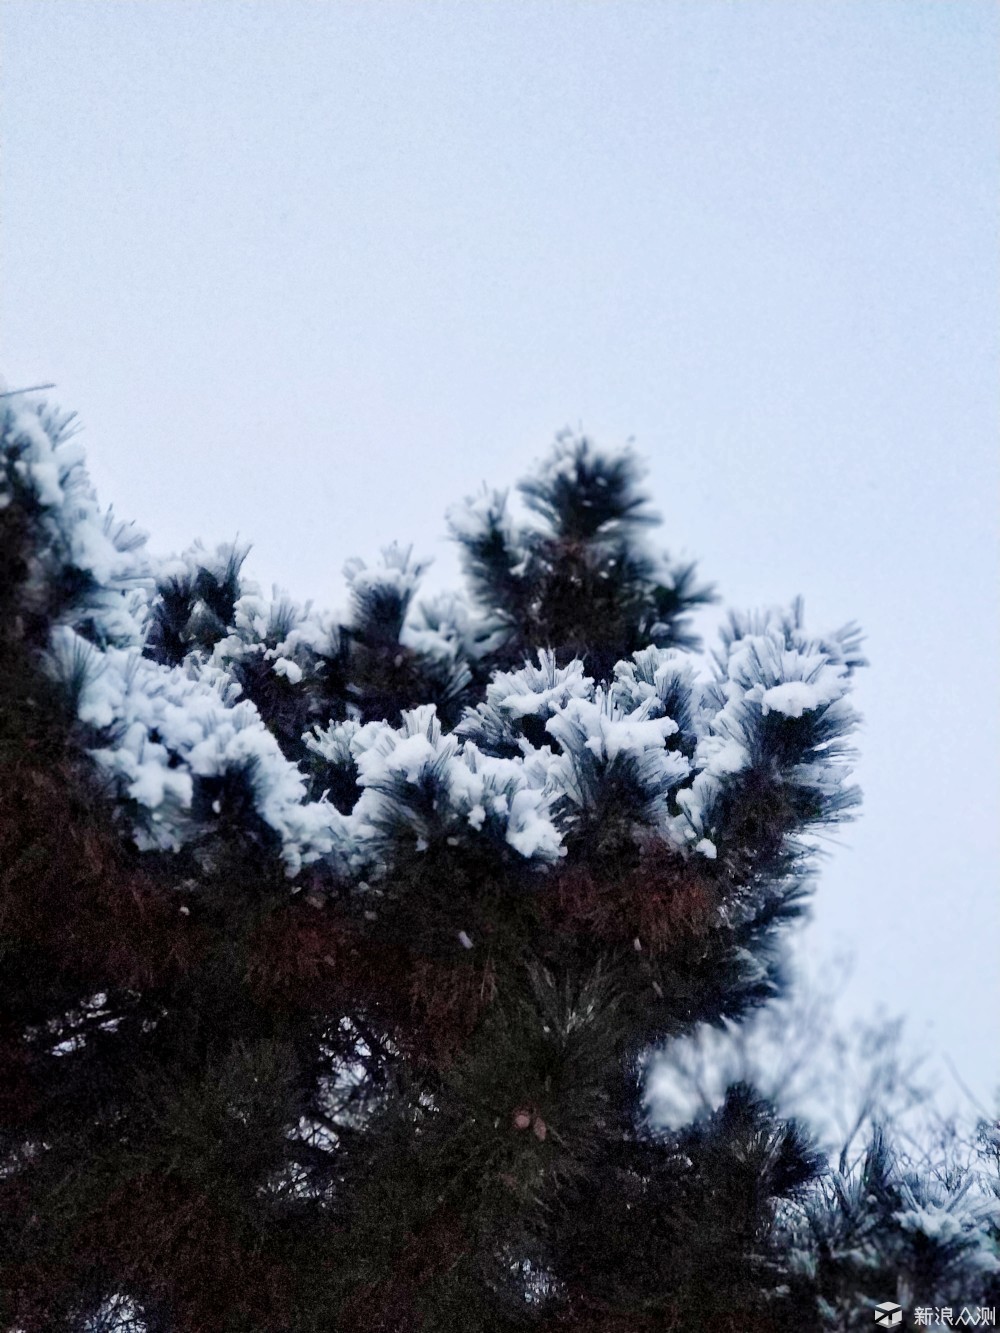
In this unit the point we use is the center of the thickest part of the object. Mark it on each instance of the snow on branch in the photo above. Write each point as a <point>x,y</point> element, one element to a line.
<point>247,685</point>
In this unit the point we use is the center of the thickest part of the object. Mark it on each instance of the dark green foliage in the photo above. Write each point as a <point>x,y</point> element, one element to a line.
<point>685,1226</point>
<point>401,1088</point>
<point>195,609</point>
<point>584,584</point>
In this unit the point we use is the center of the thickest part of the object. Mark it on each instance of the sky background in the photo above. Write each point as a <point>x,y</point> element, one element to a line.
<point>309,272</point>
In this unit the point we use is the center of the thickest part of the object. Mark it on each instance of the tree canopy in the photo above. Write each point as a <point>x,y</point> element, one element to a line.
<point>335,945</point>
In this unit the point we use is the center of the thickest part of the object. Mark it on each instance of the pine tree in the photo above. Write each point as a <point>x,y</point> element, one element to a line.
<point>334,948</point>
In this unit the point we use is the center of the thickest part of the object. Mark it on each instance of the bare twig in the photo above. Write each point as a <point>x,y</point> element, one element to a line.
<point>34,388</point>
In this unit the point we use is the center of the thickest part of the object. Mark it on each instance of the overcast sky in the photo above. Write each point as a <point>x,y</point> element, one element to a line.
<point>309,272</point>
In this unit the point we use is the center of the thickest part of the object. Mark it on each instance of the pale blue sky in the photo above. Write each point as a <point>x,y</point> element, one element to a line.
<point>309,272</point>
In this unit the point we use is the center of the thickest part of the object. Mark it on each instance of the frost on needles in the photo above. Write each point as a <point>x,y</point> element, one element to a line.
<point>185,675</point>
<point>345,936</point>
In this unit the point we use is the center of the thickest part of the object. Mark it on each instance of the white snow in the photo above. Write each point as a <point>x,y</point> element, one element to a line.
<point>538,691</point>
<point>796,697</point>
<point>284,666</point>
<point>156,730</point>
<point>529,830</point>
<point>472,518</point>
<point>629,735</point>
